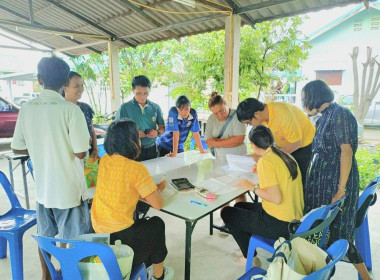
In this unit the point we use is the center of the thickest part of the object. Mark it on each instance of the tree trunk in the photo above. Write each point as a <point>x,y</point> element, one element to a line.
<point>368,88</point>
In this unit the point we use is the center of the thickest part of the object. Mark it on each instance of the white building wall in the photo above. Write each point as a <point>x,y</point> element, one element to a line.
<point>331,50</point>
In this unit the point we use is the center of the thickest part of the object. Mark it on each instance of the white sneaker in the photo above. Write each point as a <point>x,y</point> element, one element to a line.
<point>168,272</point>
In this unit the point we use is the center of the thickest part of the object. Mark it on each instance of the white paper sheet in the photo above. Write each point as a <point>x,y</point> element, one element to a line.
<point>168,192</point>
<point>215,186</point>
<point>227,183</point>
<point>240,163</point>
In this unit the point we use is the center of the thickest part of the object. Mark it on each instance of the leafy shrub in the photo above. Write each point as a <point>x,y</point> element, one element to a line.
<point>368,164</point>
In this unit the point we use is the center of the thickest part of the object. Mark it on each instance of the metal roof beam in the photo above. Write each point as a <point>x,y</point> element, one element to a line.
<point>215,5</point>
<point>31,16</point>
<point>23,48</point>
<point>30,39</point>
<point>235,6</point>
<point>79,46</point>
<point>146,16</point>
<point>262,5</point>
<point>45,29</point>
<point>88,21</point>
<point>17,40</point>
<point>6,29</point>
<point>174,25</point>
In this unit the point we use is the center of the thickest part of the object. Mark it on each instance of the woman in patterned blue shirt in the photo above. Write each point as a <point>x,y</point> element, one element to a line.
<point>72,93</point>
<point>333,171</point>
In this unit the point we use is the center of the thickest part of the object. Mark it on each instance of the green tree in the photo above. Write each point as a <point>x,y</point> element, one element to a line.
<point>94,69</point>
<point>195,66</point>
<point>266,50</point>
<point>152,60</point>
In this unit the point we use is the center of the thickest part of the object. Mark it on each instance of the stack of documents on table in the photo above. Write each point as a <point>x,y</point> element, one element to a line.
<point>240,163</point>
<point>225,184</point>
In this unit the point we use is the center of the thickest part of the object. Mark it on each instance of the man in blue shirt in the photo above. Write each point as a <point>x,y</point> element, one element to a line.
<point>146,114</point>
<point>181,120</point>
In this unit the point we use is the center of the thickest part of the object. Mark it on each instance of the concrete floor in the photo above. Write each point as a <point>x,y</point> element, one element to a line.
<point>212,256</point>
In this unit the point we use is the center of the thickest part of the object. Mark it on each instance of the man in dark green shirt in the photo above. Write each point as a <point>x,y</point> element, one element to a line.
<point>146,114</point>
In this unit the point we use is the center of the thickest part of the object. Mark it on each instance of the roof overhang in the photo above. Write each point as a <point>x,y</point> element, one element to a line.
<point>81,26</point>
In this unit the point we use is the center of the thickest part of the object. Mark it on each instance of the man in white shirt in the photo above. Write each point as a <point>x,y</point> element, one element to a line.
<point>53,132</point>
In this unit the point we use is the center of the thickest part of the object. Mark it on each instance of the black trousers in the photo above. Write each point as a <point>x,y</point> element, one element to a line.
<point>148,153</point>
<point>162,151</point>
<point>147,239</point>
<point>247,218</point>
<point>303,158</point>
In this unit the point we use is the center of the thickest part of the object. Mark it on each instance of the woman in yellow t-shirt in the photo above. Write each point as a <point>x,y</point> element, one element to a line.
<point>122,181</point>
<point>280,189</point>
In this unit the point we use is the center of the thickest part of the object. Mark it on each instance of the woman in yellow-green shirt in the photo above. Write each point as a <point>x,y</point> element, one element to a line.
<point>280,188</point>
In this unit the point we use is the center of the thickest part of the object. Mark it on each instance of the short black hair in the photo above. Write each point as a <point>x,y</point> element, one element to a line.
<point>72,74</point>
<point>123,139</point>
<point>182,101</point>
<point>246,109</point>
<point>141,81</point>
<point>53,71</point>
<point>316,93</point>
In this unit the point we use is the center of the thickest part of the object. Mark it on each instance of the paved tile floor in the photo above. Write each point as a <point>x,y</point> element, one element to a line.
<point>212,256</point>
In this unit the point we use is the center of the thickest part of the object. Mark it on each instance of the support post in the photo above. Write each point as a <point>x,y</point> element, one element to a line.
<point>231,60</point>
<point>10,90</point>
<point>115,99</point>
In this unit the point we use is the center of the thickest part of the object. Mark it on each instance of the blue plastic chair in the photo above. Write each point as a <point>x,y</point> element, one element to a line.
<point>101,150</point>
<point>336,252</point>
<point>326,213</point>
<point>30,167</point>
<point>204,145</point>
<point>362,239</point>
<point>68,258</point>
<point>13,225</point>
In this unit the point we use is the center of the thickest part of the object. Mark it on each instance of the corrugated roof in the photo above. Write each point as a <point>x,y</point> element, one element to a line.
<point>131,24</point>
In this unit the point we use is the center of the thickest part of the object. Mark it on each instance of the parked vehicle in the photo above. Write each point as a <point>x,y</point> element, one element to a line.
<point>8,117</point>
<point>19,100</point>
<point>373,114</point>
<point>101,128</point>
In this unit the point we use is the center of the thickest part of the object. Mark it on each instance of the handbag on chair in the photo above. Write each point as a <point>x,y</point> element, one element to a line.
<point>294,259</point>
